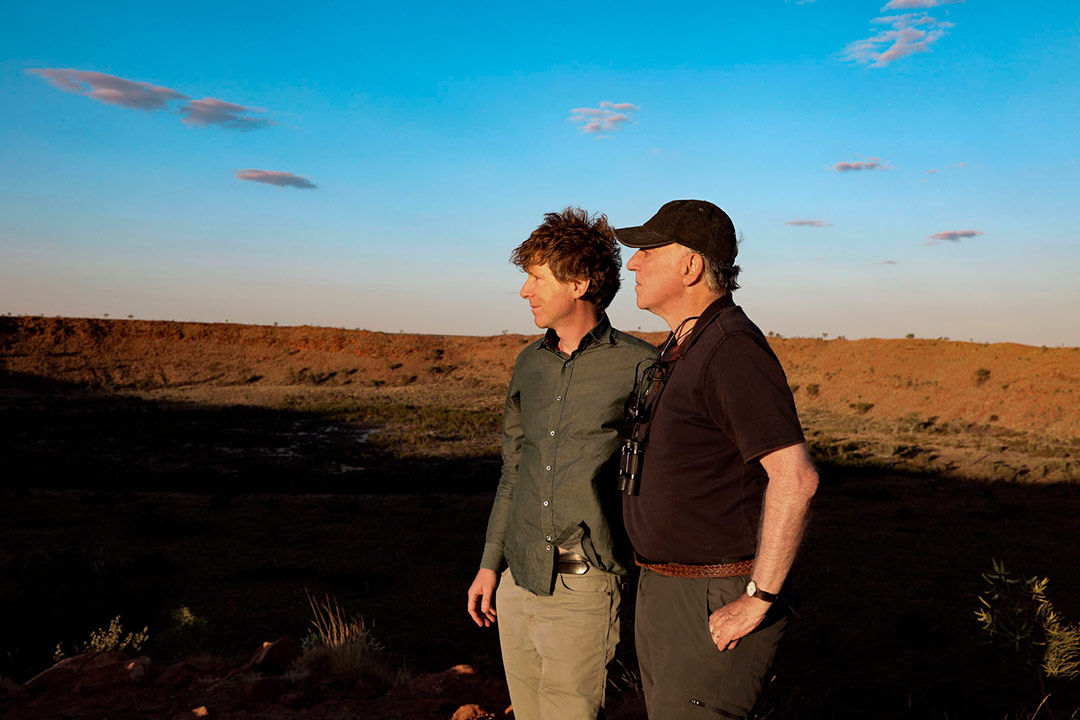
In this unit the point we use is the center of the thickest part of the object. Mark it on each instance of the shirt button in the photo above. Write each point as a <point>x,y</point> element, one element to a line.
<point>548,467</point>
<point>558,399</point>
<point>545,503</point>
<point>552,432</point>
<point>548,538</point>
<point>548,547</point>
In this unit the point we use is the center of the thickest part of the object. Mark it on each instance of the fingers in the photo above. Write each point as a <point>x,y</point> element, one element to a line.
<point>482,612</point>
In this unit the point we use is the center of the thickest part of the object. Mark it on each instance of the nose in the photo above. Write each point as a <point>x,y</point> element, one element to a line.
<point>632,264</point>
<point>526,291</point>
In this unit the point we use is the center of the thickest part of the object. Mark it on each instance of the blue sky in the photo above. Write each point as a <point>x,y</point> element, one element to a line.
<point>893,168</point>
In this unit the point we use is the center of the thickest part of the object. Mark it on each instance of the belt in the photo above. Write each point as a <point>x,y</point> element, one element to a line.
<point>572,563</point>
<point>686,570</point>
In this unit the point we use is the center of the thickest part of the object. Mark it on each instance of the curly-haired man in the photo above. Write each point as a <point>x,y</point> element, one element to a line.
<point>555,520</point>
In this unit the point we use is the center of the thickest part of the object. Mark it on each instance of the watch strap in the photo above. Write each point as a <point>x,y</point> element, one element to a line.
<point>755,591</point>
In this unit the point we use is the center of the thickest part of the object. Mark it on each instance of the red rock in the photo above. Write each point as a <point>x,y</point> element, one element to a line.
<point>178,676</point>
<point>262,691</point>
<point>460,678</point>
<point>108,670</point>
<point>276,657</point>
<point>90,672</point>
<point>471,712</point>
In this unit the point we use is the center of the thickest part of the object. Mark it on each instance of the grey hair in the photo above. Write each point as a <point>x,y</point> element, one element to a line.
<point>721,278</point>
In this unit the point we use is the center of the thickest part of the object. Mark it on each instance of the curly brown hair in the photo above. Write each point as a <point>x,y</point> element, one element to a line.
<point>576,246</point>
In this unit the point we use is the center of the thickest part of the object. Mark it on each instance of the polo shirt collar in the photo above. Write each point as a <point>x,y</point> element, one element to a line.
<point>600,333</point>
<point>709,314</point>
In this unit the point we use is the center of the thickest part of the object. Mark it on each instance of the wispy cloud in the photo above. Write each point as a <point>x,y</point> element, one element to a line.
<point>113,90</point>
<point>917,4</point>
<point>952,236</point>
<point>908,34</point>
<point>109,89</point>
<point>888,262</point>
<point>873,163</point>
<point>935,171</point>
<point>809,223</point>
<point>276,177</point>
<point>604,118</point>
<point>209,111</point>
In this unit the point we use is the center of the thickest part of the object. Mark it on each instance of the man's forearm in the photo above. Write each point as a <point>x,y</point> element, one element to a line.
<point>792,483</point>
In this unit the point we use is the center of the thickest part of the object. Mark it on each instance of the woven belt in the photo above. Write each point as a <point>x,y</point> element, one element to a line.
<point>572,563</point>
<point>683,570</point>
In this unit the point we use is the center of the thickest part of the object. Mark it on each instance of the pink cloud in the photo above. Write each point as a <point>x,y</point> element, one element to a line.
<point>916,4</point>
<point>210,111</point>
<point>873,163</point>
<point>910,34</point>
<point>809,223</point>
<point>114,90</point>
<point>952,236</point>
<point>277,178</point>
<point>109,89</point>
<point>603,119</point>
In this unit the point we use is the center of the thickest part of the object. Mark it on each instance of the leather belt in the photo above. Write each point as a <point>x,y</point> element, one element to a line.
<point>686,570</point>
<point>572,563</point>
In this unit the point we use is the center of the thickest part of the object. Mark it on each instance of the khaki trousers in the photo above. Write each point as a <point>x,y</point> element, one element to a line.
<point>556,648</point>
<point>683,673</point>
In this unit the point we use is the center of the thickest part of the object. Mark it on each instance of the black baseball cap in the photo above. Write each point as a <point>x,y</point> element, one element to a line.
<point>696,224</point>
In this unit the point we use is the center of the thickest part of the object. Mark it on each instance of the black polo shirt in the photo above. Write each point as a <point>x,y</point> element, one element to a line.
<point>724,404</point>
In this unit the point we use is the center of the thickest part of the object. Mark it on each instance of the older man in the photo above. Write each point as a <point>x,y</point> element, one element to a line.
<point>555,519</point>
<point>725,481</point>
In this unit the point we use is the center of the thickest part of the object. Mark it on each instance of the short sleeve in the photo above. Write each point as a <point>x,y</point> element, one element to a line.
<point>747,396</point>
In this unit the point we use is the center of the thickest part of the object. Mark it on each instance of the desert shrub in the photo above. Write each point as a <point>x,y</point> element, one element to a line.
<point>109,639</point>
<point>113,638</point>
<point>910,336</point>
<point>794,388</point>
<point>1016,616</point>
<point>187,634</point>
<point>812,390</point>
<point>307,376</point>
<point>344,646</point>
<point>861,407</point>
<point>981,376</point>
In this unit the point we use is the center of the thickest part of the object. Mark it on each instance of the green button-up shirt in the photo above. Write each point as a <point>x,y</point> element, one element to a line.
<point>560,456</point>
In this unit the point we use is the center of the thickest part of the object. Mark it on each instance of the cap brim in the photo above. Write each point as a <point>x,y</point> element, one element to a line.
<point>639,237</point>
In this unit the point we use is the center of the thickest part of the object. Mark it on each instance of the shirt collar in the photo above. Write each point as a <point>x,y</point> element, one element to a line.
<point>709,314</point>
<point>600,333</point>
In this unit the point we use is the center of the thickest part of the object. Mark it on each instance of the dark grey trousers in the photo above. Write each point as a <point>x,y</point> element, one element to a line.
<point>682,671</point>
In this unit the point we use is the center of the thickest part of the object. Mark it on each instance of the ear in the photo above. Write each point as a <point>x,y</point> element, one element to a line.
<point>693,269</point>
<point>579,287</point>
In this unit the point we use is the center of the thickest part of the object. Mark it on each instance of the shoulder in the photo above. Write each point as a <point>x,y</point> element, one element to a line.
<point>528,354</point>
<point>733,335</point>
<point>635,345</point>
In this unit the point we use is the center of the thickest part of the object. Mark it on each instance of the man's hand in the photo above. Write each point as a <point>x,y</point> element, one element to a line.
<point>482,597</point>
<point>736,620</point>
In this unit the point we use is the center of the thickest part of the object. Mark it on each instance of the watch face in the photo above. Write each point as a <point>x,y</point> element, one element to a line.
<point>751,588</point>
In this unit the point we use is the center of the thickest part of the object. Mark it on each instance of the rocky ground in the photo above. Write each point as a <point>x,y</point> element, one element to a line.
<point>229,469</point>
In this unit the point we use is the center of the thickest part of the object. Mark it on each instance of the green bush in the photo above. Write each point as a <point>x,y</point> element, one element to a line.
<point>186,635</point>
<point>1017,616</point>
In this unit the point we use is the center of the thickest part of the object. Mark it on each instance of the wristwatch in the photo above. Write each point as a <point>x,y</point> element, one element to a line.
<point>754,591</point>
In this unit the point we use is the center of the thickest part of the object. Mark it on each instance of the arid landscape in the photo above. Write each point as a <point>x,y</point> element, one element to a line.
<point>226,468</point>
